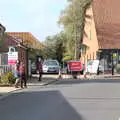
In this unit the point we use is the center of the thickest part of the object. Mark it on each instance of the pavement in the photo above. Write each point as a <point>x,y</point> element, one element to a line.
<point>4,90</point>
<point>115,76</point>
<point>31,82</point>
<point>101,76</point>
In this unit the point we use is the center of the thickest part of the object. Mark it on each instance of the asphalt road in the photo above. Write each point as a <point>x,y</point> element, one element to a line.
<point>65,100</point>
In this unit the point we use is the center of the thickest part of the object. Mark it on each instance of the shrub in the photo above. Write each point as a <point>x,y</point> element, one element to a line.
<point>8,78</point>
<point>118,68</point>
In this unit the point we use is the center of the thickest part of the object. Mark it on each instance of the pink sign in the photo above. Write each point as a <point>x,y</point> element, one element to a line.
<point>12,57</point>
<point>11,62</point>
<point>74,66</point>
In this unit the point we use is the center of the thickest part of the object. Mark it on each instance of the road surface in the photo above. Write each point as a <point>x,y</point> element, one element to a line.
<point>64,100</point>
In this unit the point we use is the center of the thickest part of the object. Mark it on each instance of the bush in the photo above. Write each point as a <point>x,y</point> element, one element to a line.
<point>8,78</point>
<point>118,68</point>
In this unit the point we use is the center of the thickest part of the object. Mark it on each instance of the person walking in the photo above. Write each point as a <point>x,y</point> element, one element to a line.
<point>16,74</point>
<point>40,69</point>
<point>22,75</point>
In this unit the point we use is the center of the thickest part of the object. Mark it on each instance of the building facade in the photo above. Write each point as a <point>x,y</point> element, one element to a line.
<point>103,32</point>
<point>6,42</point>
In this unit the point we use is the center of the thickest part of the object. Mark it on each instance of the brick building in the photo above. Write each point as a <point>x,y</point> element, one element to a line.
<point>7,41</point>
<point>103,31</point>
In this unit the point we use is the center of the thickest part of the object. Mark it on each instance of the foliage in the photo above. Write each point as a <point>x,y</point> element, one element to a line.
<point>68,42</point>
<point>66,58</point>
<point>73,20</point>
<point>55,47</point>
<point>32,53</point>
<point>8,78</point>
<point>118,68</point>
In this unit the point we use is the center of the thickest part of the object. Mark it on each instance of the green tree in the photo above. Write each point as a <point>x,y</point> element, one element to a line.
<point>55,46</point>
<point>73,20</point>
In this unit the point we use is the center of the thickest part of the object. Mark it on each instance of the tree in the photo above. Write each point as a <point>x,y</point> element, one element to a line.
<point>55,46</point>
<point>73,20</point>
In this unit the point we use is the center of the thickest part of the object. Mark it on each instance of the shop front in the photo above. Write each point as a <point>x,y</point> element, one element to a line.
<point>110,60</point>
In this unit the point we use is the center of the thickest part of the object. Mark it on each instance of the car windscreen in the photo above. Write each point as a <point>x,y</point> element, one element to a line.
<point>51,63</point>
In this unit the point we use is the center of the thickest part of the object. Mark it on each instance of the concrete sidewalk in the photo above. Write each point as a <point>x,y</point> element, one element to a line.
<point>31,82</point>
<point>45,81</point>
<point>5,91</point>
<point>102,76</point>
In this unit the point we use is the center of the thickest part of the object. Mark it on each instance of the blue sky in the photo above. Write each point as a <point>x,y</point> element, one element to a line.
<point>36,16</point>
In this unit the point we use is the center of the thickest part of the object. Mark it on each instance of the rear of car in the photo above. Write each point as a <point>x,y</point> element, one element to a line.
<point>51,66</point>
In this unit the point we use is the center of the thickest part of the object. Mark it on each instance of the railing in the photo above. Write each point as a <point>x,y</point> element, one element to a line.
<point>6,68</point>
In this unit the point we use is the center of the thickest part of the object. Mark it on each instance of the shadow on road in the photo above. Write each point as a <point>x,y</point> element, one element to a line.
<point>80,81</point>
<point>43,105</point>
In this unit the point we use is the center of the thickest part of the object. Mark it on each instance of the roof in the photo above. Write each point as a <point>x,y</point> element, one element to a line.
<point>109,36</point>
<point>9,41</point>
<point>27,38</point>
<point>107,22</point>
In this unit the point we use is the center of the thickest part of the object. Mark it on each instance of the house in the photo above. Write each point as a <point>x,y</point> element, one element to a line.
<point>6,42</point>
<point>103,32</point>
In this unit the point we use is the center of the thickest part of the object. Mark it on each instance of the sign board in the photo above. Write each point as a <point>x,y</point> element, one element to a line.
<point>74,66</point>
<point>92,66</point>
<point>12,57</point>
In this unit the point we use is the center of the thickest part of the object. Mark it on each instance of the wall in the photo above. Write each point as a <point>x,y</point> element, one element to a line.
<point>90,39</point>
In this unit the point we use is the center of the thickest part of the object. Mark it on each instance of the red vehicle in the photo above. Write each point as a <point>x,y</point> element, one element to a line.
<point>75,67</point>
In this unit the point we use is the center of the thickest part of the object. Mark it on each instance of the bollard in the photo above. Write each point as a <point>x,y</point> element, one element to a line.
<point>85,74</point>
<point>59,76</point>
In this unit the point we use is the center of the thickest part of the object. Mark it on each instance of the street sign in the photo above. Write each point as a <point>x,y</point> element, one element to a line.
<point>12,57</point>
<point>74,66</point>
<point>92,66</point>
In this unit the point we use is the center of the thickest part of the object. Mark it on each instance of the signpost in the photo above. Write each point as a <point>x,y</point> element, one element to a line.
<point>12,56</point>
<point>74,66</point>
<point>92,66</point>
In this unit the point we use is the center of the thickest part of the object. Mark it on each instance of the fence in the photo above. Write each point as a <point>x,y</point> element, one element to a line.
<point>6,68</point>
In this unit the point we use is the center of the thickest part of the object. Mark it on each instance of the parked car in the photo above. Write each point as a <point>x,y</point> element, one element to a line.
<point>51,66</point>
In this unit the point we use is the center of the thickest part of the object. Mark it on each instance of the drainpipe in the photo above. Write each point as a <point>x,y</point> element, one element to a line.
<point>112,65</point>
